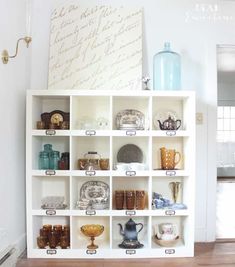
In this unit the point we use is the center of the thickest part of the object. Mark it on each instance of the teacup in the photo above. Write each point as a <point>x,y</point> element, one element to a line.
<point>166,231</point>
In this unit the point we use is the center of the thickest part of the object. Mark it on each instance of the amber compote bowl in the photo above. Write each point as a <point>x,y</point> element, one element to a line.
<point>92,231</point>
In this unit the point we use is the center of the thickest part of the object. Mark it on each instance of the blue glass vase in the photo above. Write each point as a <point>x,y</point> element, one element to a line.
<point>167,70</point>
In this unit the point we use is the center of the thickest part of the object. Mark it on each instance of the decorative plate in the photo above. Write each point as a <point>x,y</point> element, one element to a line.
<point>130,153</point>
<point>163,115</point>
<point>96,191</point>
<point>130,119</point>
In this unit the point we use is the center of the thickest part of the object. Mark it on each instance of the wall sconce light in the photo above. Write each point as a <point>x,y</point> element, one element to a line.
<point>5,54</point>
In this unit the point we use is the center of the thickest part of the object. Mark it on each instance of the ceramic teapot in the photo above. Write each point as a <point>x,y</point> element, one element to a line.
<point>166,231</point>
<point>130,232</point>
<point>169,124</point>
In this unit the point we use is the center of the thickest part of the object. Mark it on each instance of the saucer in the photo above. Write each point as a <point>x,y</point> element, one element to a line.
<point>128,244</point>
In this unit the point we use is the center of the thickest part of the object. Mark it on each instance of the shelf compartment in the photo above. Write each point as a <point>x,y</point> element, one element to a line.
<point>161,185</point>
<point>179,144</point>
<point>59,143</point>
<point>142,142</point>
<point>90,173</point>
<point>48,103</point>
<point>80,241</point>
<point>171,134</point>
<point>182,224</point>
<point>129,133</point>
<point>81,145</point>
<point>51,212</point>
<point>130,173</point>
<point>130,183</point>
<point>90,132</point>
<point>170,173</point>
<point>50,172</point>
<point>53,132</point>
<point>77,182</point>
<point>143,235</point>
<point>43,186</point>
<point>39,221</point>
<point>89,112</point>
<point>140,103</point>
<point>179,105</point>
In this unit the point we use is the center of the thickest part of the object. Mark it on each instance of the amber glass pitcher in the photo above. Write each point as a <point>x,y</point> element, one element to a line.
<point>169,158</point>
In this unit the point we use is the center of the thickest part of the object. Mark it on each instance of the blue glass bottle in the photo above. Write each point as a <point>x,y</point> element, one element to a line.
<point>167,70</point>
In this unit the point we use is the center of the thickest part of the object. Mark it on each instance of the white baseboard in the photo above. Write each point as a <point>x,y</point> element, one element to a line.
<point>20,244</point>
<point>200,235</point>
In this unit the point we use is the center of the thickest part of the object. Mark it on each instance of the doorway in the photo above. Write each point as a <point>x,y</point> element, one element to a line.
<point>225,221</point>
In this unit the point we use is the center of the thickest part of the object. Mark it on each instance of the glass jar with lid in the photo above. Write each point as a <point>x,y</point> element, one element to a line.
<point>54,160</point>
<point>43,163</point>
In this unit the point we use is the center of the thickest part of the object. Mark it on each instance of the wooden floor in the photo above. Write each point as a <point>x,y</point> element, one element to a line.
<point>206,254</point>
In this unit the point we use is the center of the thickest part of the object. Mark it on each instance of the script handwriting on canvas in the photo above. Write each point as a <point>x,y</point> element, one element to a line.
<point>96,47</point>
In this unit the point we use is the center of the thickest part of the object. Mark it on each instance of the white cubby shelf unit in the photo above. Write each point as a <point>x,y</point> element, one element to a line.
<point>93,128</point>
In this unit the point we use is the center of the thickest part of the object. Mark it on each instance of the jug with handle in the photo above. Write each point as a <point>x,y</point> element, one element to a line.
<point>168,158</point>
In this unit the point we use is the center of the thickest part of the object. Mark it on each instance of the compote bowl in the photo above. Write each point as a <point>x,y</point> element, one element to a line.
<point>92,231</point>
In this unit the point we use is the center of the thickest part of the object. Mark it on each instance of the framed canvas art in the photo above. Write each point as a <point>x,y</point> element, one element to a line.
<point>96,48</point>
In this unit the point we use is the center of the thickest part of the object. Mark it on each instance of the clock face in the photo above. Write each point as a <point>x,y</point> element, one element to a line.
<point>56,118</point>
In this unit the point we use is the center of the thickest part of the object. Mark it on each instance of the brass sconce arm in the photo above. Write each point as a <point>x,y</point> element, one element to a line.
<point>5,54</point>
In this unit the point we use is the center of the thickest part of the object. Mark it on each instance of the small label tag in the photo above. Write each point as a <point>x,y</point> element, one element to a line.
<point>130,212</point>
<point>170,173</point>
<point>50,172</point>
<point>90,132</point>
<point>170,212</point>
<point>90,212</point>
<point>130,251</point>
<point>50,212</point>
<point>131,133</point>
<point>91,252</point>
<point>169,251</point>
<point>130,173</point>
<point>51,251</point>
<point>90,173</point>
<point>50,132</point>
<point>170,133</point>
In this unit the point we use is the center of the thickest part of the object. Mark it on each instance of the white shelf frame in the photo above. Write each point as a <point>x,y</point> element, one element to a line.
<point>150,250</point>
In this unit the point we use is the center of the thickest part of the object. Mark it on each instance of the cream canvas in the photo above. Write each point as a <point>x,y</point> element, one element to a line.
<point>96,48</point>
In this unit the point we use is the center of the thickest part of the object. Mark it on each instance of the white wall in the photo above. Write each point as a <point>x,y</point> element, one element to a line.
<point>12,135</point>
<point>194,28</point>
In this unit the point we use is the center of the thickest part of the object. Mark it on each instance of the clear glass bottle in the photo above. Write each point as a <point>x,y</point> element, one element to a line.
<point>54,160</point>
<point>167,70</point>
<point>43,163</point>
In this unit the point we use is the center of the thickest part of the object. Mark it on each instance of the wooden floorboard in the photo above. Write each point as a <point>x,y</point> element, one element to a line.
<point>206,254</point>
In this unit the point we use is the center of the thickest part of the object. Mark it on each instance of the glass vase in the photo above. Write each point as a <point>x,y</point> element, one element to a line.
<point>167,70</point>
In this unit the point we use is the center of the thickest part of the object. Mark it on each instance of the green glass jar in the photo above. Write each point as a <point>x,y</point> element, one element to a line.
<point>54,160</point>
<point>43,163</point>
<point>48,148</point>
